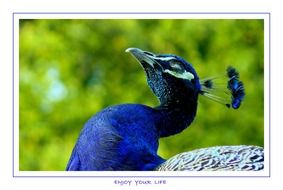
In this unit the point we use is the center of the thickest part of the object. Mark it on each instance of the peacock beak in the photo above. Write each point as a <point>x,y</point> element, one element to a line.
<point>145,58</point>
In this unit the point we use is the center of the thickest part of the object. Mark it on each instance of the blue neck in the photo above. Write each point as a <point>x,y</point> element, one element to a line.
<point>175,116</point>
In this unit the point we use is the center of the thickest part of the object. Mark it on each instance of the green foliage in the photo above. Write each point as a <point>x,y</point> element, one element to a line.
<point>71,69</point>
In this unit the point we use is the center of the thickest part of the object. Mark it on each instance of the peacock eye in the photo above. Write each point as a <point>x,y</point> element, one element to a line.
<point>176,66</point>
<point>148,53</point>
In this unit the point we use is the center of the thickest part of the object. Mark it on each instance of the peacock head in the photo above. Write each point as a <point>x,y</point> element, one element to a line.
<point>170,77</point>
<point>174,80</point>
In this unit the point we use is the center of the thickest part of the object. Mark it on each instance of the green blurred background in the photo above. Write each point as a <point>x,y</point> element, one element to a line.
<point>71,69</point>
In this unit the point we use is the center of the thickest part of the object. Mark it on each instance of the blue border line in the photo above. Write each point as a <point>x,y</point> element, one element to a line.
<point>117,177</point>
<point>145,13</point>
<point>269,40</point>
<point>155,13</point>
<point>13,94</point>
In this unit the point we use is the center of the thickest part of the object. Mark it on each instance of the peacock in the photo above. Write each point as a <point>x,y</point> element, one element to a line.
<point>125,137</point>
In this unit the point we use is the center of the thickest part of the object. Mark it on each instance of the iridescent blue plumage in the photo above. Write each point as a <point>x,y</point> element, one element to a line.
<point>232,95</point>
<point>236,87</point>
<point>122,137</point>
<point>125,137</point>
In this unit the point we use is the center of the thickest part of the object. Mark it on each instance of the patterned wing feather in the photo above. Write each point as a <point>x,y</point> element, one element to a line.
<point>218,158</point>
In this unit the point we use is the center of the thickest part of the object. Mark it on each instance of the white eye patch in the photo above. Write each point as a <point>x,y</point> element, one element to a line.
<point>176,66</point>
<point>164,58</point>
<point>184,75</point>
